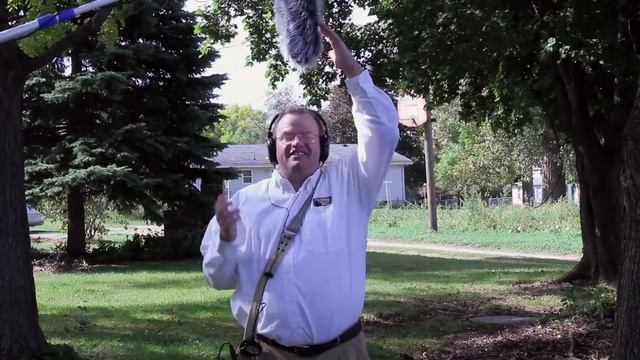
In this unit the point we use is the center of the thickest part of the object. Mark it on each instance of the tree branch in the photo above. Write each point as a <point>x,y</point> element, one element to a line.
<point>82,32</point>
<point>4,14</point>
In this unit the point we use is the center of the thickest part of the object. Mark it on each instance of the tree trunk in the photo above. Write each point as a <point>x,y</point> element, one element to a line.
<point>599,220</point>
<point>598,166</point>
<point>20,334</point>
<point>553,183</point>
<point>76,236</point>
<point>628,312</point>
<point>586,268</point>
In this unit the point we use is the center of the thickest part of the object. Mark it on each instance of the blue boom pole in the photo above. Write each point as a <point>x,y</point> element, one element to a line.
<point>49,20</point>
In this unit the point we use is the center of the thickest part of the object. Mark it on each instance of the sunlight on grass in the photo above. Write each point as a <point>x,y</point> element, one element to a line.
<point>409,224</point>
<point>164,310</point>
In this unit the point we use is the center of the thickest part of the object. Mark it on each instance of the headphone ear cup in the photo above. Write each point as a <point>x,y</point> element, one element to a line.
<point>324,148</point>
<point>271,148</point>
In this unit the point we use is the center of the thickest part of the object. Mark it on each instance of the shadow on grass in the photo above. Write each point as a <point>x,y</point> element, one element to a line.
<point>176,331</point>
<point>412,302</point>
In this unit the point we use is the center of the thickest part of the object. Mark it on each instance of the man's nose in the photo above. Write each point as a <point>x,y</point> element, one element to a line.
<point>297,140</point>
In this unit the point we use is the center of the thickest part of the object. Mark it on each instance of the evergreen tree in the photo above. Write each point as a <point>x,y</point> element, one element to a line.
<point>127,122</point>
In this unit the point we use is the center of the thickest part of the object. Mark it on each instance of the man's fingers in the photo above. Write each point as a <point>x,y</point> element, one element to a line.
<point>327,33</point>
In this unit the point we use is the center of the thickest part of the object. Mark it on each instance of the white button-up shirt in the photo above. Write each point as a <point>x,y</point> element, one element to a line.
<point>317,291</point>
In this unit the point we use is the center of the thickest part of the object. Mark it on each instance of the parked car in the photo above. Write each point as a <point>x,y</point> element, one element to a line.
<point>35,217</point>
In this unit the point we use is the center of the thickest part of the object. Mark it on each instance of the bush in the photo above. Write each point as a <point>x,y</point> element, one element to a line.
<point>474,215</point>
<point>98,210</point>
<point>147,247</point>
<point>598,302</point>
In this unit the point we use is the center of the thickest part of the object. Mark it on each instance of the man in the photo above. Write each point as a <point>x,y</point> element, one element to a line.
<point>313,302</point>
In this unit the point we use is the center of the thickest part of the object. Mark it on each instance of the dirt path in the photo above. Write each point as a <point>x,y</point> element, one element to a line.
<point>394,246</point>
<point>420,248</point>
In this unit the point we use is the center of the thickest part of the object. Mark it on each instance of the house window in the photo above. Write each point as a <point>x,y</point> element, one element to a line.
<point>247,177</point>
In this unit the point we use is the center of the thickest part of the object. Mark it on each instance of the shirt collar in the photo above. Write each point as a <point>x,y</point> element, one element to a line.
<point>283,185</point>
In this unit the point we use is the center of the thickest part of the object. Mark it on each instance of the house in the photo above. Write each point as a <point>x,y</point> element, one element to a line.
<point>253,163</point>
<point>520,196</point>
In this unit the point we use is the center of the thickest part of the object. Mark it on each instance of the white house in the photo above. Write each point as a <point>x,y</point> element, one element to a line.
<point>253,163</point>
<point>519,197</point>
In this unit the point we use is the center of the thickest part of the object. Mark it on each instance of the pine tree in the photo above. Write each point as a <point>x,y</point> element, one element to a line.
<point>127,121</point>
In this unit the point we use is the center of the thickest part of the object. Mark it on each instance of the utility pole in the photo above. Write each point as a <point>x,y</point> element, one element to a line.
<point>414,112</point>
<point>429,164</point>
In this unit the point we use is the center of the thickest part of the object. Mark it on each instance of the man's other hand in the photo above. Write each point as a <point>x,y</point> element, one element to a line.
<point>227,219</point>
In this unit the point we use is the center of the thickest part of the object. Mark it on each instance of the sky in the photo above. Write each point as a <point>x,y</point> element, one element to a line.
<point>247,85</point>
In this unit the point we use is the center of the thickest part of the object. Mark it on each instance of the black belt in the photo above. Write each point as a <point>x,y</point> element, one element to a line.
<point>313,350</point>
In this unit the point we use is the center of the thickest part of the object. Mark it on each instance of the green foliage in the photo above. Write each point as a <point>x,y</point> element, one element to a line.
<point>240,124</point>
<point>217,22</point>
<point>128,121</point>
<point>475,158</point>
<point>146,247</point>
<point>338,115</point>
<point>98,210</point>
<point>475,216</point>
<point>597,302</point>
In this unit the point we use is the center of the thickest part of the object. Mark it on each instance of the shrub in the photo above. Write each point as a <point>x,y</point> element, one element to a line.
<point>147,247</point>
<point>98,210</point>
<point>597,302</point>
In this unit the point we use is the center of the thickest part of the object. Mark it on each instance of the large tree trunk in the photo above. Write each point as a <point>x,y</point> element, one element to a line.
<point>628,312</point>
<point>598,165</point>
<point>599,219</point>
<point>76,236</point>
<point>553,183</point>
<point>20,334</point>
<point>585,269</point>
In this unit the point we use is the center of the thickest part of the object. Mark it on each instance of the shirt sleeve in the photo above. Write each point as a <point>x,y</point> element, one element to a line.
<point>376,121</point>
<point>220,258</point>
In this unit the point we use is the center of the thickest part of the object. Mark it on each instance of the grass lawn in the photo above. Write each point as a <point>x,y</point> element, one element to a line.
<point>559,237</point>
<point>164,311</point>
<point>532,230</point>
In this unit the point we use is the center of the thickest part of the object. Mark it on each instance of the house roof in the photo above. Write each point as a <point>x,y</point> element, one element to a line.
<point>255,155</point>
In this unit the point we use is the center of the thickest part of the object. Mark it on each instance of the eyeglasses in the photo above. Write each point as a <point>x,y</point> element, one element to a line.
<point>305,138</point>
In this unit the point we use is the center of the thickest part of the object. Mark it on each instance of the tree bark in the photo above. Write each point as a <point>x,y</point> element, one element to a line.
<point>20,334</point>
<point>598,164</point>
<point>553,184</point>
<point>76,236</point>
<point>627,337</point>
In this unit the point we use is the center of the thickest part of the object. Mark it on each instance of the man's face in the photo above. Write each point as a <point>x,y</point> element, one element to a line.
<point>297,145</point>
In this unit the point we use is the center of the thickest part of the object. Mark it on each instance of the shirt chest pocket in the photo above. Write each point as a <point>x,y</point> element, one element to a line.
<point>321,231</point>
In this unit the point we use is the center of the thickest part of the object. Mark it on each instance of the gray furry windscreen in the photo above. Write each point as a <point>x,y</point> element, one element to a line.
<point>297,25</point>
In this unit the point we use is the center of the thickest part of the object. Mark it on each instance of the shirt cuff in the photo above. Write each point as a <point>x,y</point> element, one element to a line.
<point>227,250</point>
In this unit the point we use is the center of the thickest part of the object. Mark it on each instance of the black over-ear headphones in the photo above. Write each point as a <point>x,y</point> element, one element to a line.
<point>324,138</point>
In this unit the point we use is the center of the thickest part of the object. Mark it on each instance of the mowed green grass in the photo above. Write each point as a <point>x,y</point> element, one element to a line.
<point>165,311</point>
